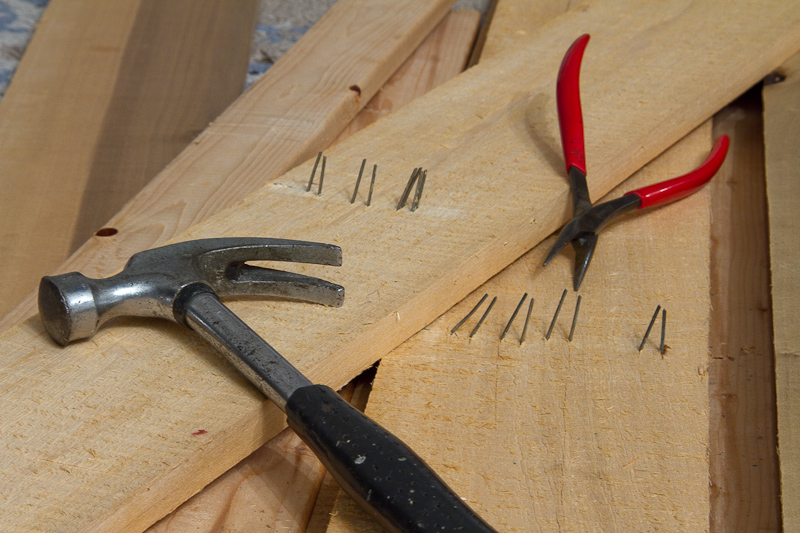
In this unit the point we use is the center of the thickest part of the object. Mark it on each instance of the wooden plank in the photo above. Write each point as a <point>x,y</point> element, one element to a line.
<point>295,109</point>
<point>781,117</point>
<point>282,478</point>
<point>439,58</point>
<point>106,95</point>
<point>515,21</point>
<point>588,435</point>
<point>136,394</point>
<point>744,466</point>
<point>274,487</point>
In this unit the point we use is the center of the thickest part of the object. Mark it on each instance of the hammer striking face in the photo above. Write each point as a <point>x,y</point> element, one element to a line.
<point>182,282</point>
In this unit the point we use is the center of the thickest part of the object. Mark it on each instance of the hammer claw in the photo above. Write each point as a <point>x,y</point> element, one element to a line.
<point>243,280</point>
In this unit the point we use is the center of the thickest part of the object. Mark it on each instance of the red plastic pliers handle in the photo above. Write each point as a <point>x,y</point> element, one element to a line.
<point>581,231</point>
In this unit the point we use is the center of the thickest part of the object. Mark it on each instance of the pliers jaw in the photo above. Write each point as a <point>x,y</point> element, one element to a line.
<point>582,230</point>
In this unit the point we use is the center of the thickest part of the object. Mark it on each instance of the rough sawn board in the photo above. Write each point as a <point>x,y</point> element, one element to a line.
<point>781,115</point>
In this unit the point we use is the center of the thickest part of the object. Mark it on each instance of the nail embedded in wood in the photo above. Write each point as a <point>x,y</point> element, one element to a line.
<point>575,318</point>
<point>313,171</point>
<point>372,184</point>
<point>513,316</point>
<point>485,314</point>
<point>663,328</point>
<point>358,181</point>
<point>469,314</point>
<point>649,327</point>
<point>322,174</point>
<point>407,190</point>
<point>418,193</point>
<point>555,316</point>
<point>527,321</point>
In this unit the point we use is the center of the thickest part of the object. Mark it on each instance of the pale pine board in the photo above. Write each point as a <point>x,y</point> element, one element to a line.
<point>515,21</point>
<point>277,485</point>
<point>781,115</point>
<point>272,488</point>
<point>591,435</point>
<point>297,108</point>
<point>137,392</point>
<point>105,96</point>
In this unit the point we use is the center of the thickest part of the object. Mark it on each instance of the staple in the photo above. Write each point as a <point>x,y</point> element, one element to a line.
<point>649,327</point>
<point>418,193</point>
<point>407,190</point>
<point>322,174</point>
<point>313,172</point>
<point>372,184</point>
<point>485,314</point>
<point>527,321</point>
<point>469,314</point>
<point>575,318</point>
<point>555,316</point>
<point>358,181</point>
<point>513,316</point>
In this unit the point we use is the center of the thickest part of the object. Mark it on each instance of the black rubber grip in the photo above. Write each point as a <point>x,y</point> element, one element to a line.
<point>376,468</point>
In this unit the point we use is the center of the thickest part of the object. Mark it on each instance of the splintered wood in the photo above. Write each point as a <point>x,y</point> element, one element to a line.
<point>104,434</point>
<point>591,435</point>
<point>781,131</point>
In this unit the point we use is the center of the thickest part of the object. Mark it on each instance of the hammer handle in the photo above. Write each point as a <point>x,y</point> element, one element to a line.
<point>376,468</point>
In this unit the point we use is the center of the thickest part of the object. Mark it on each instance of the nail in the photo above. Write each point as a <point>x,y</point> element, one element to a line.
<point>358,181</point>
<point>322,174</point>
<point>407,190</point>
<point>513,316</point>
<point>313,171</point>
<point>372,184</point>
<point>575,318</point>
<point>527,320</point>
<point>468,314</point>
<point>649,327</point>
<point>485,314</point>
<point>555,316</point>
<point>663,328</point>
<point>418,193</point>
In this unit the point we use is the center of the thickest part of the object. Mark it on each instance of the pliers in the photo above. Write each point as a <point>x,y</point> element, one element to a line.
<point>587,219</point>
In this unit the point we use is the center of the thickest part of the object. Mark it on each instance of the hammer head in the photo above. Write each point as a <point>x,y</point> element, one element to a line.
<point>158,282</point>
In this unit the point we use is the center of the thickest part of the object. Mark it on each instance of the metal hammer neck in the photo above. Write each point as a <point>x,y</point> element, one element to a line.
<point>259,362</point>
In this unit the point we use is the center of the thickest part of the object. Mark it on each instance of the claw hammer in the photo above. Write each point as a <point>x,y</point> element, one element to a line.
<point>182,282</point>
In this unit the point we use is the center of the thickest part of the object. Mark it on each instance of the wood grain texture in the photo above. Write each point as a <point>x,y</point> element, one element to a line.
<point>297,108</point>
<point>277,485</point>
<point>137,392</point>
<point>744,466</point>
<point>781,116</point>
<point>588,435</point>
<point>106,95</point>
<point>514,21</point>
<point>439,58</point>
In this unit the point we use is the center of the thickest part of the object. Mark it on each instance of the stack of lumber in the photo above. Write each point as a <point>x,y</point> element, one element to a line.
<point>591,434</point>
